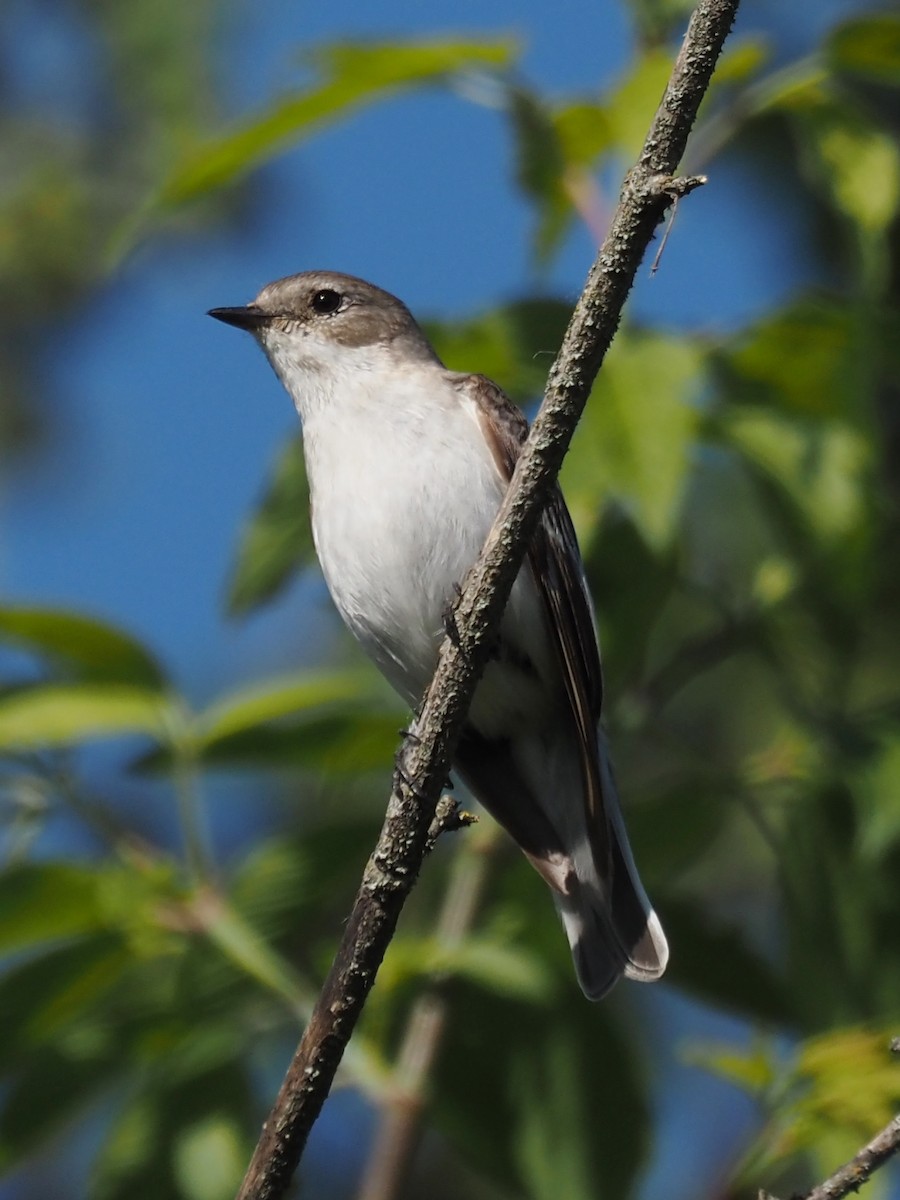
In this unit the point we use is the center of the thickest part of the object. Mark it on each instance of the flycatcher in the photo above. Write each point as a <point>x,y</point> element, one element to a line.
<point>408,464</point>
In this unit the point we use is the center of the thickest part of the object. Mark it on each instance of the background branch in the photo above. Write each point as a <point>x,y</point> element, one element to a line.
<point>851,1176</point>
<point>425,757</point>
<point>859,1169</point>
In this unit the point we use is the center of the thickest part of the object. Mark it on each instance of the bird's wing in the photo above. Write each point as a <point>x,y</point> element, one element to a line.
<point>608,919</point>
<point>556,567</point>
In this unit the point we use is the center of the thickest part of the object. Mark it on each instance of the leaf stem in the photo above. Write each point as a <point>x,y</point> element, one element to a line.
<point>191,815</point>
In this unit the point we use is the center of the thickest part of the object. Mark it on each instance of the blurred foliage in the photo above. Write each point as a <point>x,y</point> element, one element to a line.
<point>823,1102</point>
<point>72,167</point>
<point>353,74</point>
<point>278,540</point>
<point>737,502</point>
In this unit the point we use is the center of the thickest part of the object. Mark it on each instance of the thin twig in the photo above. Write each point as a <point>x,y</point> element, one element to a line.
<point>425,759</point>
<point>191,819</point>
<point>448,817</point>
<point>851,1176</point>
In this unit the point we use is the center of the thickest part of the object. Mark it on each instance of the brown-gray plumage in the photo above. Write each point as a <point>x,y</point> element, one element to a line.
<point>408,463</point>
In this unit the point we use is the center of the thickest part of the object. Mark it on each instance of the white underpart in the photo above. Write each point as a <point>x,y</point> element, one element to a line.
<point>404,490</point>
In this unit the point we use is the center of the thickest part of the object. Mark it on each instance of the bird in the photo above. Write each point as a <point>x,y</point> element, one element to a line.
<point>408,463</point>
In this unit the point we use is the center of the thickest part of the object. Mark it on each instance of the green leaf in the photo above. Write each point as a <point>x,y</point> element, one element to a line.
<point>824,467</point>
<point>542,165</point>
<point>243,946</point>
<point>853,1082</point>
<point>635,439</point>
<point>342,721</point>
<point>508,970</point>
<point>755,1071</point>
<point>337,743</point>
<point>512,971</point>
<point>45,902</point>
<point>554,150</point>
<point>658,21</point>
<point>740,61</point>
<point>632,104</point>
<point>878,791</point>
<point>269,887</point>
<point>353,74</point>
<point>62,715</point>
<point>210,1157</point>
<point>852,160</point>
<point>538,152</point>
<point>556,1139</point>
<point>631,585</point>
<point>502,1122</point>
<point>41,998</point>
<point>674,826</point>
<point>130,1147</point>
<point>91,650</point>
<point>583,132</point>
<point>840,1089</point>
<point>868,46</point>
<point>810,358</point>
<point>283,888</point>
<point>251,707</point>
<point>276,542</point>
<point>832,896</point>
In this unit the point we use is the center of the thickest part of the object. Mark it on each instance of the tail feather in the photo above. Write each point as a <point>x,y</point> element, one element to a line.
<point>534,790</point>
<point>611,926</point>
<point>601,955</point>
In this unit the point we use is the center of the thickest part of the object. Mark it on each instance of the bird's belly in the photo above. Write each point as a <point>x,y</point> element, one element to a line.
<point>394,551</point>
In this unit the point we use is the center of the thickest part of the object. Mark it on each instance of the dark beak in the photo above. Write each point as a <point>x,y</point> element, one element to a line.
<point>243,318</point>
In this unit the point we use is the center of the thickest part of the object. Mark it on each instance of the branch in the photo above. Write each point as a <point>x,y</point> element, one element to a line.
<point>851,1176</point>
<point>859,1170</point>
<point>425,757</point>
<point>397,1137</point>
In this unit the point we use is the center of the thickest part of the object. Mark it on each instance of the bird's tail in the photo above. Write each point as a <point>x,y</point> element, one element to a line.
<point>534,788</point>
<point>610,923</point>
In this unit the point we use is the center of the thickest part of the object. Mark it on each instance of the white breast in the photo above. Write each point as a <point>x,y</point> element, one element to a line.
<point>404,491</point>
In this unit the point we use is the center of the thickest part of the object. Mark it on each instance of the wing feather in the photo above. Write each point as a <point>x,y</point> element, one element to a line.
<point>608,918</point>
<point>556,568</point>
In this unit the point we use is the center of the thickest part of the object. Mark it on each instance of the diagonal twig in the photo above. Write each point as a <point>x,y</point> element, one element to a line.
<point>425,757</point>
<point>399,1130</point>
<point>860,1169</point>
<point>852,1175</point>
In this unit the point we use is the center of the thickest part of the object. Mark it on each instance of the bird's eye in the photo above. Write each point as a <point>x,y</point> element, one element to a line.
<point>326,301</point>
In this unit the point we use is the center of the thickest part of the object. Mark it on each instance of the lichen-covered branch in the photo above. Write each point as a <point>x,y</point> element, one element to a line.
<point>425,756</point>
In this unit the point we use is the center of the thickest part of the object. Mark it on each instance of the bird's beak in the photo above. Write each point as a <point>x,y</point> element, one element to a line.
<point>249,318</point>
